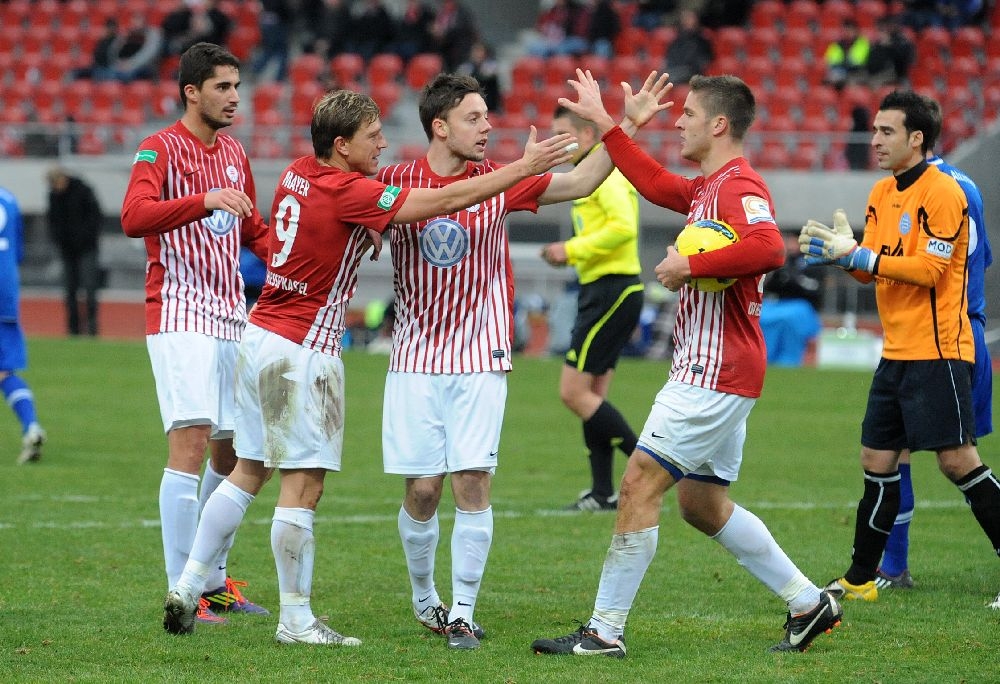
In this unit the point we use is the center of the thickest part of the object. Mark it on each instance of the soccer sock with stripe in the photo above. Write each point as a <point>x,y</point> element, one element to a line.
<point>746,537</point>
<point>603,431</point>
<point>20,399</point>
<point>220,519</point>
<point>897,548</point>
<point>470,547</point>
<point>876,514</point>
<point>625,565</point>
<point>210,480</point>
<point>982,491</point>
<point>420,540</point>
<point>294,554</point>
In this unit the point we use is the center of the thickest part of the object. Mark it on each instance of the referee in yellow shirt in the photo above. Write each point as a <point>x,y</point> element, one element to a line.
<point>604,250</point>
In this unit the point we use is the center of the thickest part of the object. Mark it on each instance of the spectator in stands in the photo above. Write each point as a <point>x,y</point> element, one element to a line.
<point>847,57</point>
<point>789,316</point>
<point>605,25</point>
<point>13,351</point>
<point>859,150</point>
<point>413,30</point>
<point>103,55</point>
<point>135,54</point>
<point>75,218</point>
<point>562,30</point>
<point>651,14</point>
<point>957,13</point>
<point>892,54</point>
<point>691,51</point>
<point>372,30</point>
<point>454,31</point>
<point>716,13</point>
<point>335,25</point>
<point>483,67</point>
<point>275,21</point>
<point>195,21</point>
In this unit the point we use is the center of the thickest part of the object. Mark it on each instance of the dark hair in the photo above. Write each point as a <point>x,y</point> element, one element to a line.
<point>340,114</point>
<point>442,95</point>
<point>937,119</point>
<point>726,96</point>
<point>918,115</point>
<point>577,120</point>
<point>198,65</point>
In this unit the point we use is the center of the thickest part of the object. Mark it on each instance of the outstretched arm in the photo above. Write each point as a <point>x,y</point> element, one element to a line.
<point>539,157</point>
<point>591,172</point>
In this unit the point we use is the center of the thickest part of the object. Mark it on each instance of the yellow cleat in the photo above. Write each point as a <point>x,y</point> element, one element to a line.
<point>845,591</point>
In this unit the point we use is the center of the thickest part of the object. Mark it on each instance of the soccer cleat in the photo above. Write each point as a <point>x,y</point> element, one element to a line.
<point>996,603</point>
<point>589,501</point>
<point>316,633</point>
<point>460,635</point>
<point>207,616</point>
<point>435,618</point>
<point>31,444</point>
<point>845,591</point>
<point>800,630</point>
<point>593,645</point>
<point>901,581</point>
<point>229,599</point>
<point>560,645</point>
<point>179,611</point>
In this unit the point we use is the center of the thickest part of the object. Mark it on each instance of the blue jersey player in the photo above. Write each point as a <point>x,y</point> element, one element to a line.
<point>13,353</point>
<point>894,570</point>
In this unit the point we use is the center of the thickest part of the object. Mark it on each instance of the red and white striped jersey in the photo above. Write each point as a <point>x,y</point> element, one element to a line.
<point>453,279</point>
<point>318,222</point>
<point>718,343</point>
<point>193,281</point>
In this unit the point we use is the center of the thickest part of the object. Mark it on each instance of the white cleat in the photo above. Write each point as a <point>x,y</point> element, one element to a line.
<point>996,603</point>
<point>179,610</point>
<point>31,444</point>
<point>316,633</point>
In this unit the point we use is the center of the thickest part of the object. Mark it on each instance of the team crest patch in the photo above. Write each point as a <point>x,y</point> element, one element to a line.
<point>443,242</point>
<point>388,197</point>
<point>232,173</point>
<point>905,223</point>
<point>757,210</point>
<point>145,156</point>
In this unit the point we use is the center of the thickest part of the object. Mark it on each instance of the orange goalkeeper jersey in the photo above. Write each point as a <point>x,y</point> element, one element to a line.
<point>921,234</point>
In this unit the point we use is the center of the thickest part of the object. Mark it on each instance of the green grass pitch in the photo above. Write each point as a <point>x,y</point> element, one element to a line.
<point>82,584</point>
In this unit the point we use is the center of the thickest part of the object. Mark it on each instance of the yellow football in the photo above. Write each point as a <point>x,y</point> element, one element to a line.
<point>706,235</point>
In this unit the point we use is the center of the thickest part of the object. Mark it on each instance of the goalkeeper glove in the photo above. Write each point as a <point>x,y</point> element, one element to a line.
<point>821,245</point>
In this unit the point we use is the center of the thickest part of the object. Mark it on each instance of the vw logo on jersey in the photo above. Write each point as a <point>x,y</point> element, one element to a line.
<point>905,223</point>
<point>444,242</point>
<point>220,222</point>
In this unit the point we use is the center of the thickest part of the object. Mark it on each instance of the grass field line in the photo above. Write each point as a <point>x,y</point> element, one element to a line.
<point>382,519</point>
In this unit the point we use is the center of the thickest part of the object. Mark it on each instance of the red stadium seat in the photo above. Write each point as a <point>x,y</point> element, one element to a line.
<point>90,143</point>
<point>14,13</point>
<point>422,68</point>
<point>304,97</point>
<point>767,14</point>
<point>558,69</point>
<point>386,95</point>
<point>773,155</point>
<point>307,67</point>
<point>868,12</point>
<point>657,42</point>
<point>347,67</point>
<point>45,14</point>
<point>269,97</point>
<point>766,42</point>
<point>384,68</point>
<point>77,96</point>
<point>167,100</point>
<point>629,41</point>
<point>968,41</point>
<point>802,14</point>
<point>791,72</point>
<point>527,73</point>
<point>806,156</point>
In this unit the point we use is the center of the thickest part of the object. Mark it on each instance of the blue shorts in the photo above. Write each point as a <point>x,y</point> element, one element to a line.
<point>919,405</point>
<point>13,351</point>
<point>982,382</point>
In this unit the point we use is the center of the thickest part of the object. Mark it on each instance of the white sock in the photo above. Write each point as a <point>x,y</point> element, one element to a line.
<point>220,519</point>
<point>747,538</point>
<point>178,520</point>
<point>470,547</point>
<point>625,565</point>
<point>210,480</point>
<point>294,551</point>
<point>420,540</point>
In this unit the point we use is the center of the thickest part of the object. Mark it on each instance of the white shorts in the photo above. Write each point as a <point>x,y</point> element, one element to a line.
<point>289,403</point>
<point>700,431</point>
<point>434,424</point>
<point>194,375</point>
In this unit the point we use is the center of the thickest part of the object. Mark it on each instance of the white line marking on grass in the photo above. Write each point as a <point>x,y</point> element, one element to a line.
<point>389,518</point>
